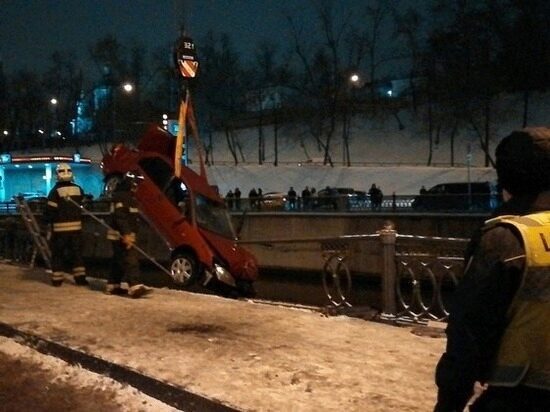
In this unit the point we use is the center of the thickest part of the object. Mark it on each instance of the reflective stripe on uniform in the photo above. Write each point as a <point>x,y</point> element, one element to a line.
<point>113,234</point>
<point>57,276</point>
<point>67,226</point>
<point>119,205</point>
<point>134,210</point>
<point>112,286</point>
<point>52,203</point>
<point>67,191</point>
<point>79,271</point>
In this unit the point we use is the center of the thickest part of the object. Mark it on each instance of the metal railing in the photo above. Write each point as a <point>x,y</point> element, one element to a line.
<point>418,274</point>
<point>352,203</point>
<point>326,204</point>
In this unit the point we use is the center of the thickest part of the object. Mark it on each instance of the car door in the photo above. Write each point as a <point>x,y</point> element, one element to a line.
<point>162,199</point>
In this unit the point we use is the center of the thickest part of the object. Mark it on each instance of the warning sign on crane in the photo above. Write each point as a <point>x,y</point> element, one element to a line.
<point>186,57</point>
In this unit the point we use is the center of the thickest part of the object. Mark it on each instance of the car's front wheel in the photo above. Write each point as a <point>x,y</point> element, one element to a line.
<point>184,269</point>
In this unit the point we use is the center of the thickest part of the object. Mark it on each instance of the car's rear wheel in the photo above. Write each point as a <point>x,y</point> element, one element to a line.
<point>184,269</point>
<point>111,183</point>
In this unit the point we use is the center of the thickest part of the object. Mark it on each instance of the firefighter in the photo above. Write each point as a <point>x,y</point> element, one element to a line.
<point>65,219</point>
<point>124,224</point>
<point>499,326</point>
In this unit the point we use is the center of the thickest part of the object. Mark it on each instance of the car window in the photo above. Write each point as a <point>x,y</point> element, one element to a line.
<point>213,216</point>
<point>177,193</point>
<point>157,170</point>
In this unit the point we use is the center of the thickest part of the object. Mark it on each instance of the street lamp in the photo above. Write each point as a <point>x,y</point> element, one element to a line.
<point>53,118</point>
<point>128,88</point>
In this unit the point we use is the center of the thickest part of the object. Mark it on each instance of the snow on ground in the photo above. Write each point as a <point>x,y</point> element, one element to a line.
<point>253,357</point>
<point>56,385</point>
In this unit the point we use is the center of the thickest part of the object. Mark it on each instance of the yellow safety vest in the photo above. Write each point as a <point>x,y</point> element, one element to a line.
<point>524,352</point>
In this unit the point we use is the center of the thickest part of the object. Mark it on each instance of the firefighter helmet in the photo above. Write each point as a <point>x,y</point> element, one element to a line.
<point>64,172</point>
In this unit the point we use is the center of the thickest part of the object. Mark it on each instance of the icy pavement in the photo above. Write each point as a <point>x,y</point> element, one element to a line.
<point>248,356</point>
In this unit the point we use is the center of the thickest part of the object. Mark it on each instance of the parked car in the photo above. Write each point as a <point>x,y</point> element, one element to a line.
<point>274,201</point>
<point>459,196</point>
<point>340,198</point>
<point>186,211</point>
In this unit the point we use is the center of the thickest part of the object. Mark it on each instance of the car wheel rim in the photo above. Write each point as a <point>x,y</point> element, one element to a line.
<point>181,270</point>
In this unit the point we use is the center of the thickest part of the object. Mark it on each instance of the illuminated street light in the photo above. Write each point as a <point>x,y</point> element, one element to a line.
<point>53,101</point>
<point>354,78</point>
<point>128,87</point>
<point>6,133</point>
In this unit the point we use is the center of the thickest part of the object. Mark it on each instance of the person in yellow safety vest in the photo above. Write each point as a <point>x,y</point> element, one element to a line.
<point>65,219</point>
<point>498,332</point>
<point>125,224</point>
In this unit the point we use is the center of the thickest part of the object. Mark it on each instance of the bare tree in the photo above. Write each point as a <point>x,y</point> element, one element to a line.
<point>29,109</point>
<point>220,85</point>
<point>462,66</point>
<point>525,57</point>
<point>408,27</point>
<point>265,62</point>
<point>63,80</point>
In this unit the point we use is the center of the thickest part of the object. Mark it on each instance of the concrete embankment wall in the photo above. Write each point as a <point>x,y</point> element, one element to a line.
<point>364,255</point>
<point>298,240</point>
<point>280,240</point>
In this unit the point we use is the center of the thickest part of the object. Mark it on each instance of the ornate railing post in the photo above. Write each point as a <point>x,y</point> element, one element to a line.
<point>388,238</point>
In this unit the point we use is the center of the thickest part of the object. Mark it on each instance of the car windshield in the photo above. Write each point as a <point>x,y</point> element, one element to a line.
<point>213,216</point>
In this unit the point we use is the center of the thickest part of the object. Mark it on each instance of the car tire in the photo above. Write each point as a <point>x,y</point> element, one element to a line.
<point>184,269</point>
<point>111,183</point>
<point>246,289</point>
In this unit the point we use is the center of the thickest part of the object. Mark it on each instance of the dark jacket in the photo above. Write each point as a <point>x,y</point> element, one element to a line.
<point>478,315</point>
<point>124,214</point>
<point>64,215</point>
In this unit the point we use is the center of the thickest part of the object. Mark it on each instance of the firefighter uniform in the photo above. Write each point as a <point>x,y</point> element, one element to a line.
<point>65,219</point>
<point>125,224</point>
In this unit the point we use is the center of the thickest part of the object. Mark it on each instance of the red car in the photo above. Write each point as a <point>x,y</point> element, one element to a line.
<point>187,212</point>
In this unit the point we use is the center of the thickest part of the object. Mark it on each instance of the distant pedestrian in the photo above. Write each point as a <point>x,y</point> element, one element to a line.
<point>229,199</point>
<point>65,218</point>
<point>423,190</point>
<point>306,197</point>
<point>313,198</point>
<point>291,198</point>
<point>237,195</point>
<point>376,196</point>
<point>252,198</point>
<point>260,199</point>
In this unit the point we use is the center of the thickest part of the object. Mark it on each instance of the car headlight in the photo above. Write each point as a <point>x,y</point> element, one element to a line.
<point>223,275</point>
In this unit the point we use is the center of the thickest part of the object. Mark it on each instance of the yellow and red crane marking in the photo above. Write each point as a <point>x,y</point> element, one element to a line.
<point>188,68</point>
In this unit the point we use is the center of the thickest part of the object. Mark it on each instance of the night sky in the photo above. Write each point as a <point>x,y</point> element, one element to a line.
<point>30,30</point>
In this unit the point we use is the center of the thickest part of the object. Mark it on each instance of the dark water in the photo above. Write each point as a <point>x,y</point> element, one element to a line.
<point>301,287</point>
